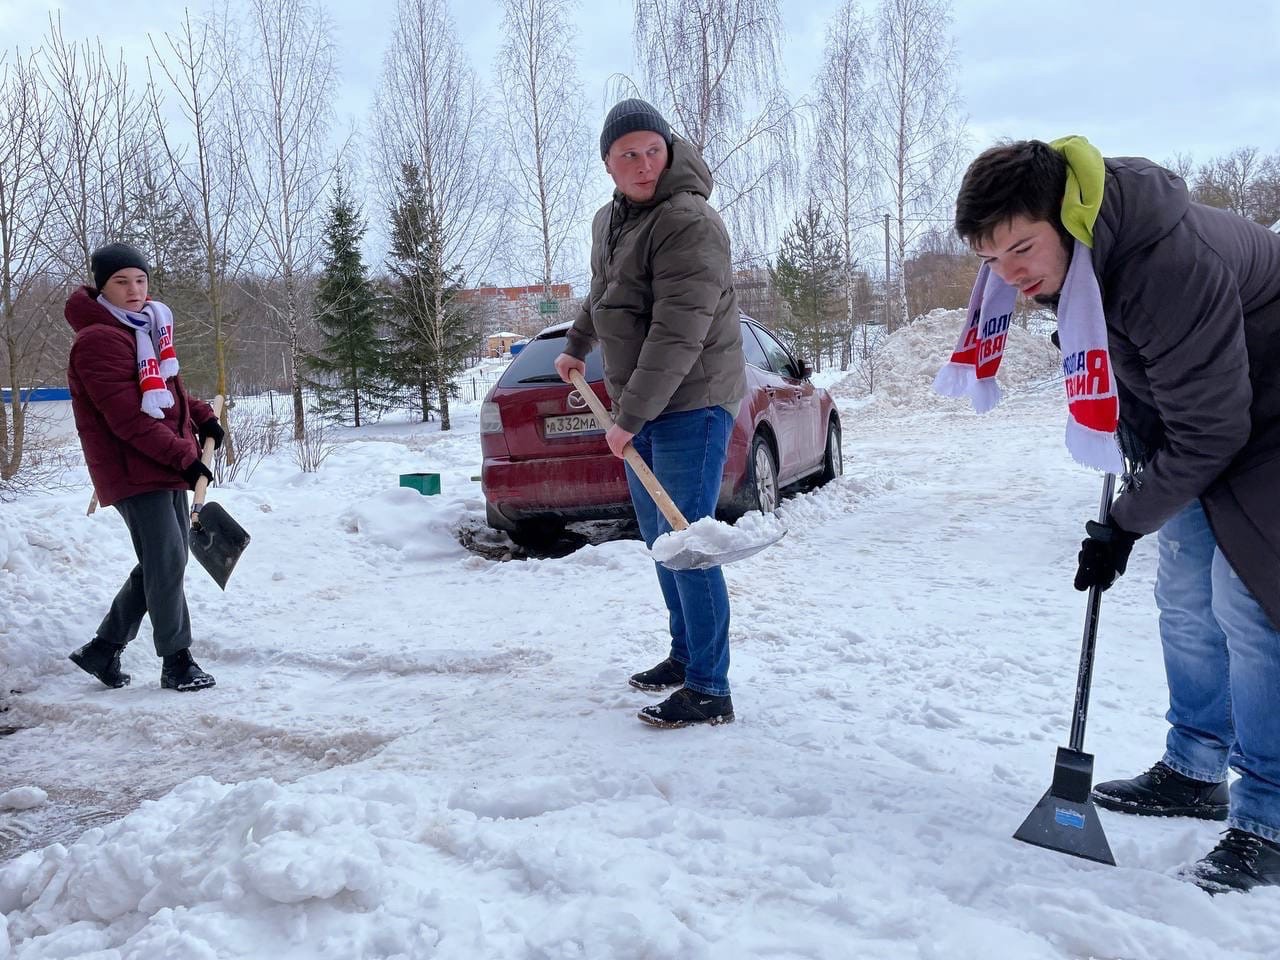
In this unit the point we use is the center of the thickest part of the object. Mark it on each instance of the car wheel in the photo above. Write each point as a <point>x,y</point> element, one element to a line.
<point>833,457</point>
<point>537,534</point>
<point>762,479</point>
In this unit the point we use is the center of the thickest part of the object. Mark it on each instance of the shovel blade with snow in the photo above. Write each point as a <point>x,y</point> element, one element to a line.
<point>691,558</point>
<point>710,543</point>
<point>216,539</point>
<point>682,551</point>
<point>1065,819</point>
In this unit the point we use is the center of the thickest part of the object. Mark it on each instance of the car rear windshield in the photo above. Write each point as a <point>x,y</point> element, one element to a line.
<point>535,365</point>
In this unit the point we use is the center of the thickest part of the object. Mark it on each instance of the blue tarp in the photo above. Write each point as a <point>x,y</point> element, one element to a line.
<point>40,393</point>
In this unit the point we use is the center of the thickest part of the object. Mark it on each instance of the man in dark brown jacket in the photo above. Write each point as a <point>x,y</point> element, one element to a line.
<point>663,308</point>
<point>1191,296</point>
<point>141,433</point>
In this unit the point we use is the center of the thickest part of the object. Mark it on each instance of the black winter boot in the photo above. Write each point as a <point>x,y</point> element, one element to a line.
<point>1163,792</point>
<point>102,660</point>
<point>180,672</point>
<point>669,673</point>
<point>685,707</point>
<point>1240,862</point>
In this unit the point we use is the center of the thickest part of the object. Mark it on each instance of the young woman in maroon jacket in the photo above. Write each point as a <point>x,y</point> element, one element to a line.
<point>141,433</point>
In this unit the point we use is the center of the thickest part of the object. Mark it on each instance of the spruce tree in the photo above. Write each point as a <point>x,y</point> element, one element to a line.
<point>347,370</point>
<point>807,274</point>
<point>430,337</point>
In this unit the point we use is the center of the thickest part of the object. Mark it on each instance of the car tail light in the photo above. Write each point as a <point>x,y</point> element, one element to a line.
<point>490,418</point>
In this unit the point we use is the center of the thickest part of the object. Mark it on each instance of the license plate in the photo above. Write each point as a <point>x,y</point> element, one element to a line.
<point>574,423</point>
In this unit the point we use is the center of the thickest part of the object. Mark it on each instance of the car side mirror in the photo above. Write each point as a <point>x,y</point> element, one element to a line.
<point>803,370</point>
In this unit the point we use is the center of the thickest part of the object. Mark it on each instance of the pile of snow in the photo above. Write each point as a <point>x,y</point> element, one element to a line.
<point>908,360</point>
<point>22,798</point>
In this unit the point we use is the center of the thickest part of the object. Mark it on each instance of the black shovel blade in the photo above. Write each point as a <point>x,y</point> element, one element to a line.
<point>217,542</point>
<point>1065,819</point>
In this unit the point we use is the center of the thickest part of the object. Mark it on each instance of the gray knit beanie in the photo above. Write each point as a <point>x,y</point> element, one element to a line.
<point>628,117</point>
<point>115,256</point>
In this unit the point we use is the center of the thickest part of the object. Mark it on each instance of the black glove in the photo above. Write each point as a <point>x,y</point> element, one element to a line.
<point>1104,554</point>
<point>194,472</point>
<point>210,428</point>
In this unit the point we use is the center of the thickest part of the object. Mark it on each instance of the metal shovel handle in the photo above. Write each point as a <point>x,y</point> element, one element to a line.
<point>632,456</point>
<point>206,457</point>
<point>1084,677</point>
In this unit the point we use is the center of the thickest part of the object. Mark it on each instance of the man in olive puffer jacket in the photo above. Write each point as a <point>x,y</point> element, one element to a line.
<point>663,308</point>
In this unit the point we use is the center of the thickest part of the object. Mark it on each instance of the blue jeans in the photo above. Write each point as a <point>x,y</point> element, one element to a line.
<point>1222,660</point>
<point>686,452</point>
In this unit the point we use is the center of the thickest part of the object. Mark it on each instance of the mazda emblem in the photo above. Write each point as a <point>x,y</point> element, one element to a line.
<point>576,402</point>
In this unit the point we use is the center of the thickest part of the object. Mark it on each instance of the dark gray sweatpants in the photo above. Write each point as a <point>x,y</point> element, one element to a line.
<point>159,524</point>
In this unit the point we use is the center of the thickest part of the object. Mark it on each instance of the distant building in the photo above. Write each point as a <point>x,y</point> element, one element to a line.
<point>499,344</point>
<point>518,312</point>
<point>757,296</point>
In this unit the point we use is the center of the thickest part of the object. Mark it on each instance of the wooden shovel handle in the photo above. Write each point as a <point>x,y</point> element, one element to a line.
<point>206,457</point>
<point>632,456</point>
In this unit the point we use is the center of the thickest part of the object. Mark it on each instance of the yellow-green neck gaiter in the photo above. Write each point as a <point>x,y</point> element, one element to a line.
<point>1086,177</point>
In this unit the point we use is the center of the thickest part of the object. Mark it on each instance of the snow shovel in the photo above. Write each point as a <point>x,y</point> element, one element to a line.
<point>689,556</point>
<point>1065,819</point>
<point>216,539</point>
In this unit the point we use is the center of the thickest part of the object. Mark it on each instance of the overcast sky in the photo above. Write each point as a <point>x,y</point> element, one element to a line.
<point>1135,76</point>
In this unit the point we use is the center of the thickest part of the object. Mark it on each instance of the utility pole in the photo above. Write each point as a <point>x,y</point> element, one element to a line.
<point>888,326</point>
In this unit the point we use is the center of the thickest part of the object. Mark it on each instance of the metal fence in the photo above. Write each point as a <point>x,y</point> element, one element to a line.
<point>470,389</point>
<point>474,388</point>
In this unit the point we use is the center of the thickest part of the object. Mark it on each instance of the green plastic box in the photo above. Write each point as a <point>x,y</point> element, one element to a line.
<point>426,484</point>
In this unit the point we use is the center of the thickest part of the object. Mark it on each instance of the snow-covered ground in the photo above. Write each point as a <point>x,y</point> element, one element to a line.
<point>413,751</point>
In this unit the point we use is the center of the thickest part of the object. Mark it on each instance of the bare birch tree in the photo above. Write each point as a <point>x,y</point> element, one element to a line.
<point>716,68</point>
<point>838,167</point>
<point>284,94</point>
<point>914,132</point>
<point>548,153</point>
<point>1183,164</point>
<point>27,339</point>
<point>206,164</point>
<point>100,126</point>
<point>431,119</point>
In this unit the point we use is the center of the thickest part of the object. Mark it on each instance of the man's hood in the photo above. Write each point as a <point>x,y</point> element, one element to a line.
<point>83,310</point>
<point>1143,203</point>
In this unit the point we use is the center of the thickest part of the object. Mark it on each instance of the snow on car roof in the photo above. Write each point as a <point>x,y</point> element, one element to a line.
<point>555,330</point>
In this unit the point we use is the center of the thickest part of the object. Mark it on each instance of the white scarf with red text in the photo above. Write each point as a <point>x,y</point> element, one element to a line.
<point>1092,405</point>
<point>157,361</point>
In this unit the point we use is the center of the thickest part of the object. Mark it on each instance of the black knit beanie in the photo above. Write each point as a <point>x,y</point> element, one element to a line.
<point>628,117</point>
<point>108,259</point>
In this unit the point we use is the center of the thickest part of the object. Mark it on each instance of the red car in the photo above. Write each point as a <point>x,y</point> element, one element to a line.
<point>546,462</point>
